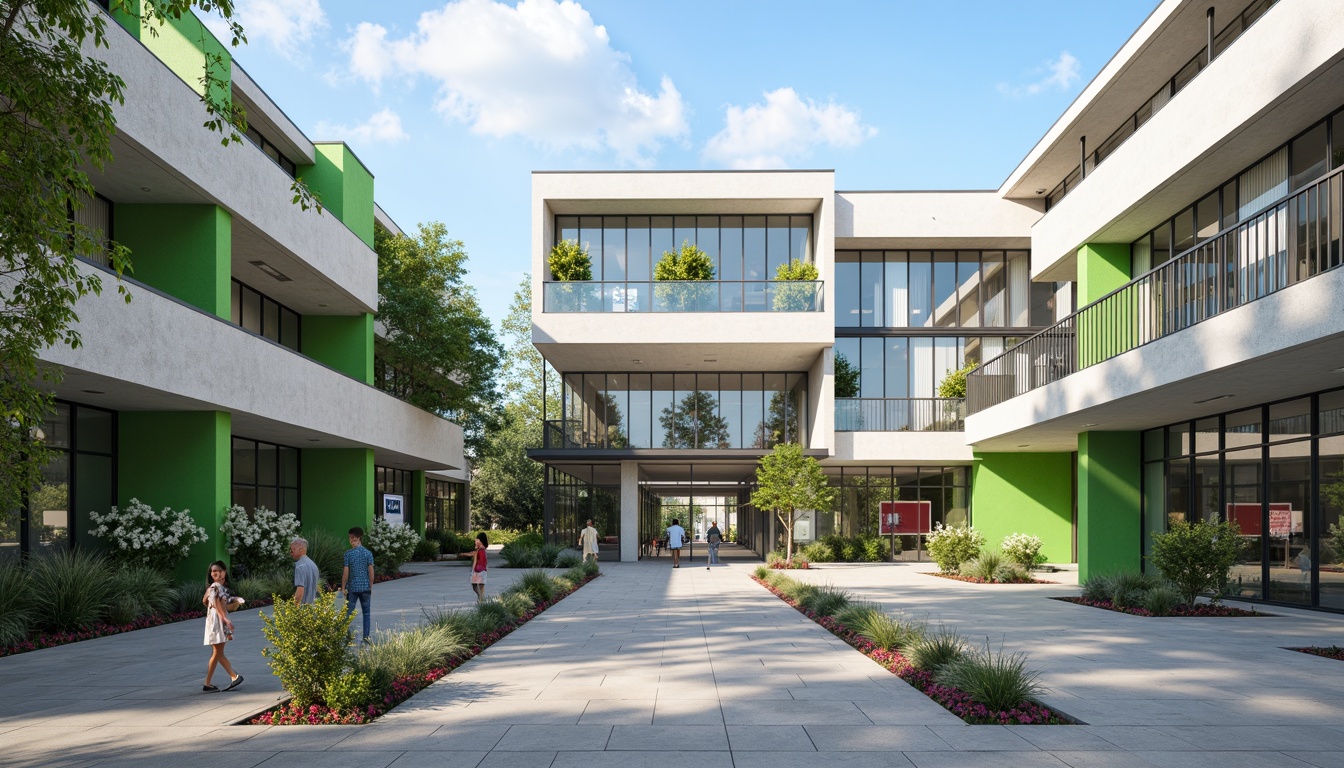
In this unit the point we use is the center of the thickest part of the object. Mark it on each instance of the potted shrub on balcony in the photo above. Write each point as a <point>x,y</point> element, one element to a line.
<point>795,298</point>
<point>569,263</point>
<point>688,265</point>
<point>953,387</point>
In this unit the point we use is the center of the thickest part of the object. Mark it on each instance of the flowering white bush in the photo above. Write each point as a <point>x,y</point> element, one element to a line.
<point>260,541</point>
<point>390,544</point>
<point>1022,548</point>
<point>137,533</point>
<point>951,546</point>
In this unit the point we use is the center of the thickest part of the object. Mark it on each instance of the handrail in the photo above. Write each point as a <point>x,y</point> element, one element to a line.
<point>683,296</point>
<point>900,414</point>
<point>1239,264</point>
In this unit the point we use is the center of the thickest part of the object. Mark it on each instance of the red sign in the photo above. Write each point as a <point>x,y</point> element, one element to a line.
<point>1282,520</point>
<point>905,517</point>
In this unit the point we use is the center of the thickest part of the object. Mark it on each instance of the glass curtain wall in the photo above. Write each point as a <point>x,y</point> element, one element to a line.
<point>684,410</point>
<point>586,492</point>
<point>861,491</point>
<point>81,476</point>
<point>265,475</point>
<point>446,506</point>
<point>1277,471</point>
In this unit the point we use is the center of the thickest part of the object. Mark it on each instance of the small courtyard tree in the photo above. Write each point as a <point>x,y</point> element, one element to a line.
<point>1196,557</point>
<point>789,482</point>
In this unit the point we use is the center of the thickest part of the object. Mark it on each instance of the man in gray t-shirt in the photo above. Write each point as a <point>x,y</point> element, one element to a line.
<point>305,572</point>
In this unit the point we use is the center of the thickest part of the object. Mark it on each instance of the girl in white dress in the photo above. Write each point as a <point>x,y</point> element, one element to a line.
<point>218,628</point>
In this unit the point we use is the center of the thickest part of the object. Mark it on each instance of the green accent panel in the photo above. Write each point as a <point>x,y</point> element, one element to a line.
<point>344,186</point>
<point>336,487</point>
<point>344,342</point>
<point>1109,329</point>
<point>183,45</point>
<point>1025,493</point>
<point>183,250</point>
<point>181,460</point>
<point>1109,535</point>
<point>418,501</point>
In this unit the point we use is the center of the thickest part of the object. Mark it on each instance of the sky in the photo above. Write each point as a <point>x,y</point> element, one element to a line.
<point>452,105</point>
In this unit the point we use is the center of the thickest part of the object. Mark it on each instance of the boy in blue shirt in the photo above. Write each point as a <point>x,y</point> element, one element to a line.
<point>357,577</point>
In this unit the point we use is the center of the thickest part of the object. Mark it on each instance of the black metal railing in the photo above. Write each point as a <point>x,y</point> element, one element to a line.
<point>900,414</point>
<point>1285,243</point>
<point>683,296</point>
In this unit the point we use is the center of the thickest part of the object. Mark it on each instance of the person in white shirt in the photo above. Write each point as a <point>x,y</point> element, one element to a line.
<point>676,535</point>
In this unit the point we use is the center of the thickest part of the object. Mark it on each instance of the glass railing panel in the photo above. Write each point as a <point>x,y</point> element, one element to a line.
<point>900,414</point>
<point>683,296</point>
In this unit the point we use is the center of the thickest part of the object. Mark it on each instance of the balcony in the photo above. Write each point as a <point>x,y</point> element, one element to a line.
<point>683,296</point>
<point>900,414</point>
<point>1285,243</point>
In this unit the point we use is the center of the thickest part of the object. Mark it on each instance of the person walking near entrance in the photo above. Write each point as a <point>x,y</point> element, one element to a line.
<point>588,541</point>
<point>305,572</point>
<point>218,628</point>
<point>357,577</point>
<point>715,537</point>
<point>675,536</point>
<point>478,566</point>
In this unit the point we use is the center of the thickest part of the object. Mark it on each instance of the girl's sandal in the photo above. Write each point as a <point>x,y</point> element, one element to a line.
<point>209,689</point>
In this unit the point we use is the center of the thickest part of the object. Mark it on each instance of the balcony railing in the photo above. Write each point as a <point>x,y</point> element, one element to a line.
<point>1285,243</point>
<point>684,296</point>
<point>900,414</point>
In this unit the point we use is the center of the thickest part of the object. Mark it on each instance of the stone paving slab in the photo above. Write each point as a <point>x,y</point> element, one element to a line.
<point>695,668</point>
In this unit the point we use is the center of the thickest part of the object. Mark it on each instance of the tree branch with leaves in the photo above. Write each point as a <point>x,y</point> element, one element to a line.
<point>790,483</point>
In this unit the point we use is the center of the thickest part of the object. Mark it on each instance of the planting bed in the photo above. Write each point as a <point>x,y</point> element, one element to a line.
<point>978,580</point>
<point>1329,652</point>
<point>953,700</point>
<point>402,689</point>
<point>1203,609</point>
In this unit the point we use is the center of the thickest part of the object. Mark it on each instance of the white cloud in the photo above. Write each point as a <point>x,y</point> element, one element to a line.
<point>542,70</point>
<point>283,25</point>
<point>785,126</point>
<point>384,125</point>
<point>1059,74</point>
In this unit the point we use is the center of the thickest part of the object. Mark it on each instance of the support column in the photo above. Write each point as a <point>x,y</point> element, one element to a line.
<point>1025,493</point>
<point>417,501</point>
<point>180,460</point>
<point>629,511</point>
<point>344,342</point>
<point>1109,530</point>
<point>337,488</point>
<point>1103,268</point>
<point>186,251</point>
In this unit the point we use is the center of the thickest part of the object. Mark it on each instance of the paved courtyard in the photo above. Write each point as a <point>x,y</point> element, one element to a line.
<point>704,668</point>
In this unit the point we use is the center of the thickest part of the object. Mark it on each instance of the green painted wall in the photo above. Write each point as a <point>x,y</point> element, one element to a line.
<point>1025,493</point>
<point>344,342</point>
<point>1102,267</point>
<point>184,45</point>
<point>1109,330</point>
<point>180,460</point>
<point>1109,535</point>
<point>344,186</point>
<point>185,251</point>
<point>336,485</point>
<point>418,501</point>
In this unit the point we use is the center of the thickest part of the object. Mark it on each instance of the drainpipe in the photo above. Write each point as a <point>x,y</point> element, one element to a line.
<point>1209,15</point>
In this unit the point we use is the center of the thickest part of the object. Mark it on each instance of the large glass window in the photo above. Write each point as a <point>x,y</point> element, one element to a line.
<point>265,475</point>
<point>264,316</point>
<point>446,506</point>
<point>922,289</point>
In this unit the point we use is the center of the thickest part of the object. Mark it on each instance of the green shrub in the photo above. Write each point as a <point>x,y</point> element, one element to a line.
<point>826,601</point>
<point>529,539</point>
<point>1161,600</point>
<point>590,568</point>
<point>951,546</point>
<point>569,262</point>
<point>518,555</point>
<point>936,650</point>
<point>1011,573</point>
<point>851,551</point>
<point>310,645</point>
<point>187,596</point>
<point>69,589</point>
<point>391,545</point>
<point>875,549</point>
<point>882,631</point>
<point>856,613</point>
<point>492,615</point>
<point>351,691</point>
<point>263,586</point>
<point>138,591</point>
<point>1099,587</point>
<point>1022,548</point>
<point>547,554</point>
<point>1195,558</point>
<point>577,574</point>
<point>464,623</point>
<point>568,559</point>
<point>537,585</point>
<point>1000,681</point>
<point>15,602</point>
<point>517,603</point>
<point>327,551</point>
<point>426,550</point>
<point>395,654</point>
<point>982,567</point>
<point>761,572</point>
<point>1128,588</point>
<point>819,552</point>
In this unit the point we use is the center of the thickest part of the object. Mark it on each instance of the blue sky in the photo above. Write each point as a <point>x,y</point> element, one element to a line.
<point>453,104</point>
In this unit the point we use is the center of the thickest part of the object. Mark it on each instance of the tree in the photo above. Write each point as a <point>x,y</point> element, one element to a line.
<point>508,488</point>
<point>690,263</point>
<point>788,483</point>
<point>440,348</point>
<point>795,298</point>
<point>694,423</point>
<point>954,384</point>
<point>569,262</point>
<point>846,377</point>
<point>56,120</point>
<point>1195,558</point>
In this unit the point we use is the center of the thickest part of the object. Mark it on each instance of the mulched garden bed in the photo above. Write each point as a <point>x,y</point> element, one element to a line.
<point>54,639</point>
<point>978,580</point>
<point>1203,609</point>
<point>954,700</point>
<point>402,689</point>
<point>1331,652</point>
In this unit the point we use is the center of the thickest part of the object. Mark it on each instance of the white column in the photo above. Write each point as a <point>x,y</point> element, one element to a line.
<point>629,511</point>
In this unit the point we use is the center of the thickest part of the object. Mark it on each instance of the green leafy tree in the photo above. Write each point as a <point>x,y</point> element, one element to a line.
<point>310,645</point>
<point>694,423</point>
<point>1196,557</point>
<point>795,298</point>
<point>690,263</point>
<point>954,383</point>
<point>439,351</point>
<point>846,377</point>
<point>507,489</point>
<point>569,262</point>
<point>789,483</point>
